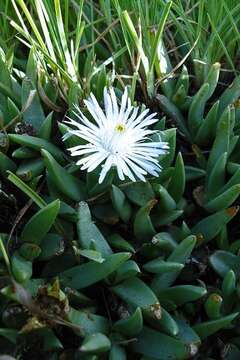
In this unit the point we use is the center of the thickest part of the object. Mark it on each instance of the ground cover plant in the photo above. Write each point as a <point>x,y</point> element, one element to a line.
<point>119,179</point>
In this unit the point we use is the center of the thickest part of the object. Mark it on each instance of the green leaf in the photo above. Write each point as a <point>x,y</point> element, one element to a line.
<point>117,353</point>
<point>166,324</point>
<point>159,266</point>
<point>165,242</point>
<point>120,203</point>
<point>81,276</point>
<point>216,179</point>
<point>207,129</point>
<point>154,344</point>
<point>126,270</point>
<point>183,79</point>
<point>208,328</point>
<point>24,153</point>
<point>92,255</point>
<point>194,173</point>
<point>186,334</point>
<point>135,292</point>
<point>166,218</point>
<point>174,113</point>
<point>21,268</point>
<point>88,233</point>
<point>6,164</point>
<point>88,323</point>
<point>29,251</point>
<point>197,107</point>
<point>93,186</point>
<point>213,306</point>
<point>4,72</point>
<point>234,180</point>
<point>26,189</point>
<point>96,343</point>
<point>143,227</point>
<point>50,341</point>
<point>212,78</point>
<point>34,114</point>
<point>228,284</point>
<point>180,96</point>
<point>180,294</point>
<point>230,95</point>
<point>38,144</point>
<point>39,225</point>
<point>210,226</point>
<point>177,183</point>
<point>166,202</point>
<point>158,36</point>
<point>105,213</point>
<point>51,245</point>
<point>224,261</point>
<point>221,142</point>
<point>46,128</point>
<point>72,140</point>
<point>29,169</point>
<point>9,334</point>
<point>117,242</point>
<point>168,136</point>
<point>66,183</point>
<point>132,325</point>
<point>139,193</point>
<point>223,200</point>
<point>180,254</point>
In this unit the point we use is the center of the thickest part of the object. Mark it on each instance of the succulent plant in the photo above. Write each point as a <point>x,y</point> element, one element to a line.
<point>119,269</point>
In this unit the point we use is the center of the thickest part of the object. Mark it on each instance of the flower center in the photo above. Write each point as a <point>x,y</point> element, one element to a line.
<point>120,128</point>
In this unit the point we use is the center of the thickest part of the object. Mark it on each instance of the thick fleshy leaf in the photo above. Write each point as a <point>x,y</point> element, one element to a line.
<point>143,227</point>
<point>210,226</point>
<point>166,324</point>
<point>223,200</point>
<point>180,254</point>
<point>29,169</point>
<point>34,114</point>
<point>187,334</point>
<point>208,126</point>
<point>135,292</point>
<point>196,110</point>
<point>120,203</point>
<point>66,183</point>
<point>88,323</point>
<point>180,294</point>
<point>39,225</point>
<point>208,328</point>
<point>132,325</point>
<point>38,144</point>
<point>6,164</point>
<point>89,235</point>
<point>224,261</point>
<point>21,268</point>
<point>213,306</point>
<point>221,142</point>
<point>159,266</point>
<point>29,251</point>
<point>156,345</point>
<point>177,183</point>
<point>140,193</point>
<point>95,344</point>
<point>51,245</point>
<point>81,276</point>
<point>127,270</point>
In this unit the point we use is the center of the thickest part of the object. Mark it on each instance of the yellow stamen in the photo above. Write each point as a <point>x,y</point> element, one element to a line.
<point>120,128</point>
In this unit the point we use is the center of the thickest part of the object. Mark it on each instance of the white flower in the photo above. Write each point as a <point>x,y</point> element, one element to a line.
<point>119,138</point>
